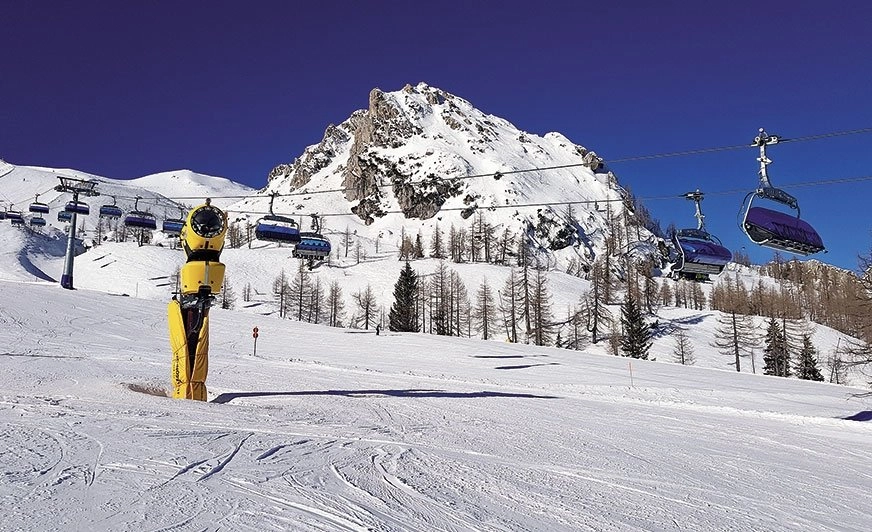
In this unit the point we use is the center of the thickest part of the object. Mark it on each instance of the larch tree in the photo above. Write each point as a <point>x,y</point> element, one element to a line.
<point>734,333</point>
<point>682,349</point>
<point>599,316</point>
<point>335,305</point>
<point>483,313</point>
<point>317,302</point>
<point>437,244</point>
<point>542,319</point>
<point>281,289</point>
<point>347,240</point>
<point>300,293</point>
<point>367,307</point>
<point>228,295</point>
<point>510,305</point>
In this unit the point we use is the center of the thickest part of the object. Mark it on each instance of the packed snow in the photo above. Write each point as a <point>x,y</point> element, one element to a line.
<point>340,429</point>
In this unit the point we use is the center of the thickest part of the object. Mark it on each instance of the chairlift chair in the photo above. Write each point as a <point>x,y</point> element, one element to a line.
<point>38,207</point>
<point>173,226</point>
<point>313,246</point>
<point>138,219</point>
<point>78,207</point>
<point>699,253</point>
<point>14,217</point>
<point>275,228</point>
<point>111,211</point>
<point>37,221</point>
<point>771,228</point>
<point>65,216</point>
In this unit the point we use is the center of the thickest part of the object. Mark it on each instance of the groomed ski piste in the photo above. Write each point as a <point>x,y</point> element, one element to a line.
<point>340,429</point>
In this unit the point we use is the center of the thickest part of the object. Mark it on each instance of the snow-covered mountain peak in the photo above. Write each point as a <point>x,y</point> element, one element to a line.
<point>189,184</point>
<point>421,156</point>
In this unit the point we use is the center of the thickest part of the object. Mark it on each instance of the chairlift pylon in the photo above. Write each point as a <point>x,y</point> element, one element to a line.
<point>771,228</point>
<point>275,228</point>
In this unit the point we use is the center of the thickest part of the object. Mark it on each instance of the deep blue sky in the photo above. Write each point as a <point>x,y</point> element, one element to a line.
<point>124,89</point>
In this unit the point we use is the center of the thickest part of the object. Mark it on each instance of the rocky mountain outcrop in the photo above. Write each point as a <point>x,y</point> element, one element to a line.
<point>425,153</point>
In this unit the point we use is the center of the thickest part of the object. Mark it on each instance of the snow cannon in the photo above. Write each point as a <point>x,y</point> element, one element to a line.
<point>200,279</point>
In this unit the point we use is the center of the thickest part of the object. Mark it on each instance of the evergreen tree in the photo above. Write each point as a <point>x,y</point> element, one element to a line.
<point>807,368</point>
<point>402,317</point>
<point>636,340</point>
<point>775,356</point>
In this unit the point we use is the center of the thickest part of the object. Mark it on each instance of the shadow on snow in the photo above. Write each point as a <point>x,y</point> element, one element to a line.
<point>865,415</point>
<point>229,396</point>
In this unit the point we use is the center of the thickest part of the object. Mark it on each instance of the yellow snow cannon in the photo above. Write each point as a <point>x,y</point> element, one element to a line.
<point>188,313</point>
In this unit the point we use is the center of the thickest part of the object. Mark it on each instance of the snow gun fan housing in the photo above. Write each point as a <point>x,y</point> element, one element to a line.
<point>203,239</point>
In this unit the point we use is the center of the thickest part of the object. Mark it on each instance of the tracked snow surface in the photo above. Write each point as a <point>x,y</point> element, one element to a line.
<point>339,429</point>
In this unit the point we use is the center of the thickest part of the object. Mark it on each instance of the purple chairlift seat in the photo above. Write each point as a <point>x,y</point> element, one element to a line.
<point>782,231</point>
<point>701,253</point>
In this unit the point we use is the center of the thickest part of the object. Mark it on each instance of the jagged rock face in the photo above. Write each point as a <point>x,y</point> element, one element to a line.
<point>313,160</point>
<point>413,152</point>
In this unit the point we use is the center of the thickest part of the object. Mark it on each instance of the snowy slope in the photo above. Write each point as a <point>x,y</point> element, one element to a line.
<point>147,272</point>
<point>20,184</point>
<point>193,187</point>
<point>331,429</point>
